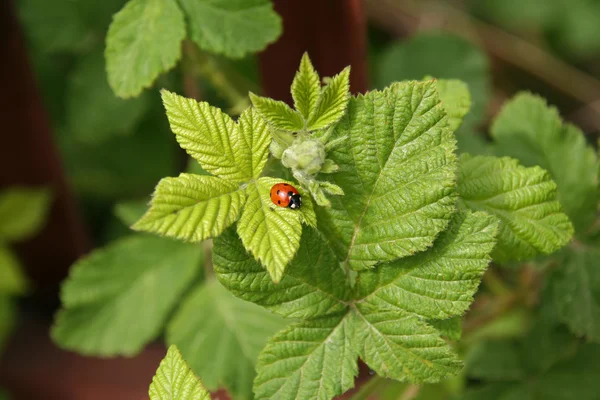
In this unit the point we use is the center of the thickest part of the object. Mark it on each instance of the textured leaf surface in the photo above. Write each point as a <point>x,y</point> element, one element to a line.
<point>397,172</point>
<point>531,131</point>
<point>271,233</point>
<point>12,279</point>
<point>277,113</point>
<point>524,199</point>
<point>443,56</point>
<point>332,103</point>
<point>575,288</point>
<point>306,87</point>
<point>236,152</point>
<point>221,336</point>
<point>313,285</point>
<point>440,282</point>
<point>232,27</point>
<point>456,100</point>
<point>175,381</point>
<point>90,100</point>
<point>309,360</point>
<point>192,207</point>
<point>401,346</point>
<point>450,328</point>
<point>117,299</point>
<point>143,41</point>
<point>22,212</point>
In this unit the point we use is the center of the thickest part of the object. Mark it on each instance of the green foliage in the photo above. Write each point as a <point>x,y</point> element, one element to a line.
<point>195,207</point>
<point>575,288</point>
<point>139,278</point>
<point>144,40</point>
<point>332,102</point>
<point>175,381</point>
<point>306,88</point>
<point>278,114</point>
<point>456,100</point>
<point>440,282</point>
<point>12,280</point>
<point>192,207</point>
<point>531,131</point>
<point>211,324</point>
<point>22,212</point>
<point>232,28</point>
<point>310,360</point>
<point>130,211</point>
<point>523,199</point>
<point>311,286</point>
<point>389,334</point>
<point>90,100</point>
<point>399,175</point>
<point>7,318</point>
<point>441,56</point>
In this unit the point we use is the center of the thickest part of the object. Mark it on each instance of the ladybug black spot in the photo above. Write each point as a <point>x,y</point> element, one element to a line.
<point>277,191</point>
<point>278,201</point>
<point>285,184</point>
<point>290,193</point>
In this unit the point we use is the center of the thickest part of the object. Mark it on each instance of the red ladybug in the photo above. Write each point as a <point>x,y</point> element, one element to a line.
<point>285,195</point>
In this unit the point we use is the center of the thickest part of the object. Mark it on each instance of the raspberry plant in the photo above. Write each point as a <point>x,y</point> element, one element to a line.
<point>381,267</point>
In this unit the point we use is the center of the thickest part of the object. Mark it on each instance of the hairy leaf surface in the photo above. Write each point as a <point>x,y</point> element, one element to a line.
<point>313,285</point>
<point>306,88</point>
<point>440,282</point>
<point>401,346</point>
<point>524,199</point>
<point>235,152</point>
<point>332,103</point>
<point>309,360</point>
<point>531,131</point>
<point>271,233</point>
<point>277,113</point>
<point>192,207</point>
<point>397,172</point>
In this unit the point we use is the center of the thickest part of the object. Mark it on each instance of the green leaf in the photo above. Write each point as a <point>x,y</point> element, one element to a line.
<point>576,378</point>
<point>90,100</point>
<point>309,360</point>
<point>306,88</point>
<point>221,337</point>
<point>531,131</point>
<point>575,288</point>
<point>271,233</point>
<point>313,285</point>
<point>175,381</point>
<point>233,28</point>
<point>278,114</point>
<point>443,56</point>
<point>117,299</point>
<point>456,100</point>
<point>139,48</point>
<point>494,360</point>
<point>500,391</point>
<point>398,162</point>
<point>23,212</point>
<point>192,207</point>
<point>439,283</point>
<point>130,211</point>
<point>524,199</point>
<point>235,152</point>
<point>12,279</point>
<point>332,103</point>
<point>401,346</point>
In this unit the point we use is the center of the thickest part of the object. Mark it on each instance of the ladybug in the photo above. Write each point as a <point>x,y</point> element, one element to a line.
<point>285,195</point>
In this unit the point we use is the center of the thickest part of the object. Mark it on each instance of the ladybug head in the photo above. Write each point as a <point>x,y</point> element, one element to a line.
<point>295,201</point>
